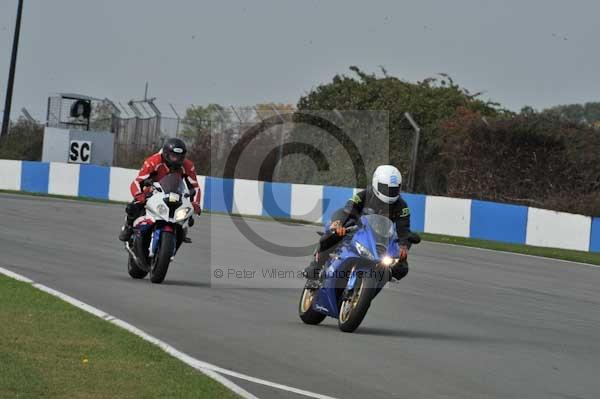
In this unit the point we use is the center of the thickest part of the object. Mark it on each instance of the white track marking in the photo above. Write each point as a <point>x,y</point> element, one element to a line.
<point>547,258</point>
<point>210,370</point>
<point>15,276</point>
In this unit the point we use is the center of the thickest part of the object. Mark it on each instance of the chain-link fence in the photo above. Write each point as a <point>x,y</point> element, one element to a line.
<point>274,142</point>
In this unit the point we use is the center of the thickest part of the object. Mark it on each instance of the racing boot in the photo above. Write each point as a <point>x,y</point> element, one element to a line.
<point>186,239</point>
<point>400,270</point>
<point>126,230</point>
<point>313,270</point>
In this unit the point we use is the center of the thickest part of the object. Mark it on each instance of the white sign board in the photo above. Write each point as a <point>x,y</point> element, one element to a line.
<point>80,151</point>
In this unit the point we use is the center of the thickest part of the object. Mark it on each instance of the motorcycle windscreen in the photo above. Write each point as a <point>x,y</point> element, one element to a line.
<point>381,227</point>
<point>172,183</point>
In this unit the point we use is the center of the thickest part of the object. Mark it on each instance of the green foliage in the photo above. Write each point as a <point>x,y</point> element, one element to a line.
<point>588,113</point>
<point>24,141</point>
<point>428,101</point>
<point>556,253</point>
<point>537,159</point>
<point>199,120</point>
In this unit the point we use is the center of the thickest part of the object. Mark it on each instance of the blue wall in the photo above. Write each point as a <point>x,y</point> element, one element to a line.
<point>498,222</point>
<point>333,199</point>
<point>94,181</point>
<point>416,204</point>
<point>34,176</point>
<point>218,195</point>
<point>277,199</point>
<point>595,235</point>
<point>488,220</point>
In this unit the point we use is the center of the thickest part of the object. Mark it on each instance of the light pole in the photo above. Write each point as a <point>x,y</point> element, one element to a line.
<point>11,73</point>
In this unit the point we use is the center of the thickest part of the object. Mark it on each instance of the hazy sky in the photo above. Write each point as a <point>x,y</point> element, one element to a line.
<point>527,52</point>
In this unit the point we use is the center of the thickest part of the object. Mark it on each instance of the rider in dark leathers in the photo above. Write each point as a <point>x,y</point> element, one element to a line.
<point>382,197</point>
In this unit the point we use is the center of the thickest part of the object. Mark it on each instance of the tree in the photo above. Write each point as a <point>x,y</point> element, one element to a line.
<point>24,141</point>
<point>533,158</point>
<point>268,110</point>
<point>428,101</point>
<point>588,113</point>
<point>198,120</point>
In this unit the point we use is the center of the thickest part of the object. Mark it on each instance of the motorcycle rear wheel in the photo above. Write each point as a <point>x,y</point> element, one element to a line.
<point>133,269</point>
<point>162,258</point>
<point>307,314</point>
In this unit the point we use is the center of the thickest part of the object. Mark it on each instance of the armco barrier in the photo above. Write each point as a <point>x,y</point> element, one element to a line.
<point>451,216</point>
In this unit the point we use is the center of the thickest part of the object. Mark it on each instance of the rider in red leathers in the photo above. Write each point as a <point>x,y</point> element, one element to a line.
<point>170,159</point>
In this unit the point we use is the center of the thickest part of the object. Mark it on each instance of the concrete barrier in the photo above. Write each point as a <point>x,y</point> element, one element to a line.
<point>63,179</point>
<point>307,202</point>
<point>10,175</point>
<point>450,216</point>
<point>247,197</point>
<point>440,215</point>
<point>558,230</point>
<point>120,182</point>
<point>498,222</point>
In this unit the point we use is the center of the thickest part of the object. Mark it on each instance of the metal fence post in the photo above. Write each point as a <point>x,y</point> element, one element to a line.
<point>415,152</point>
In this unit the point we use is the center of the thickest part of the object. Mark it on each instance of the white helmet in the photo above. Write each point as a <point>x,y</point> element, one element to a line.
<point>386,183</point>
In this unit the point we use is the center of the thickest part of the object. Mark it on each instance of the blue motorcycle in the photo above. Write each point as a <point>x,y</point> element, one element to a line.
<point>355,273</point>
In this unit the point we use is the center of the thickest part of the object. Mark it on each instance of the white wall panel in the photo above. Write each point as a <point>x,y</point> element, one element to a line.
<point>247,197</point>
<point>120,181</point>
<point>307,202</point>
<point>558,230</point>
<point>63,179</point>
<point>450,216</point>
<point>10,175</point>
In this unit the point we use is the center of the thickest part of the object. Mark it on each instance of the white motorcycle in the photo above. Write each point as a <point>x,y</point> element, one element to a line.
<point>160,232</point>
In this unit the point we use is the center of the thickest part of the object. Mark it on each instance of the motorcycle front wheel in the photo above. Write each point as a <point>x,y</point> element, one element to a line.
<point>354,308</point>
<point>162,258</point>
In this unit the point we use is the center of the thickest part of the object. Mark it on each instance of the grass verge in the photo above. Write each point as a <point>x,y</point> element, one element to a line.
<point>51,349</point>
<point>563,254</point>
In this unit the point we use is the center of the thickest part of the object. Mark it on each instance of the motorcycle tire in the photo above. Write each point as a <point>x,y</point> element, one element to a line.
<point>162,258</point>
<point>133,269</point>
<point>307,314</point>
<point>354,309</point>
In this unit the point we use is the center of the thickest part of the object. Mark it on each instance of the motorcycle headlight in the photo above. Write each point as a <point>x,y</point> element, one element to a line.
<point>388,261</point>
<point>363,251</point>
<point>162,209</point>
<point>181,214</point>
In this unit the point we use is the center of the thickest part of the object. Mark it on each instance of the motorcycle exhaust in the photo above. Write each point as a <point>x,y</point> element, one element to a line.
<point>135,258</point>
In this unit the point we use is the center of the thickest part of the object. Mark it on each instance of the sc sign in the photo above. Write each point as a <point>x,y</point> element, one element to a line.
<point>80,151</point>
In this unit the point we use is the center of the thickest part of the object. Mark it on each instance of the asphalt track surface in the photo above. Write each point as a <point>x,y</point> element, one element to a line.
<point>464,323</point>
